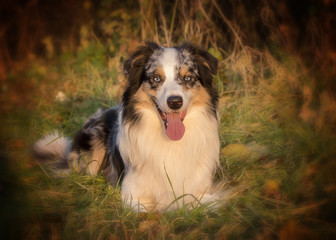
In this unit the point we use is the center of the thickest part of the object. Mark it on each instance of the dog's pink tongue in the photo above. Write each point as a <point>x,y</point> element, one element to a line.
<point>175,129</point>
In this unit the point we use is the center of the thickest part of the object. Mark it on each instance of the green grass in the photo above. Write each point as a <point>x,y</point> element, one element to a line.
<point>275,164</point>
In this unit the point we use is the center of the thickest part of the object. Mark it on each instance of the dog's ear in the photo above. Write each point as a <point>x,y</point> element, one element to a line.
<point>206,63</point>
<point>134,67</point>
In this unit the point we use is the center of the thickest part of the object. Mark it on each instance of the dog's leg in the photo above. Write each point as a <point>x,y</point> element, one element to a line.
<point>136,194</point>
<point>87,152</point>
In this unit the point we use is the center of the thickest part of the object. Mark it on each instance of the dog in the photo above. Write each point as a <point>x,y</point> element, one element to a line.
<point>161,143</point>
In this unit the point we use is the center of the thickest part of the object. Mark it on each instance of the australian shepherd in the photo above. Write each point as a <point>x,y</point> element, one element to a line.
<point>161,143</point>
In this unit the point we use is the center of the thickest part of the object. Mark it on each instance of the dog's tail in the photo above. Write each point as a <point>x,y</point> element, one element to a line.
<point>53,152</point>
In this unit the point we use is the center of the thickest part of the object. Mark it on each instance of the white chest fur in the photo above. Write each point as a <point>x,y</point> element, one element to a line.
<point>159,170</point>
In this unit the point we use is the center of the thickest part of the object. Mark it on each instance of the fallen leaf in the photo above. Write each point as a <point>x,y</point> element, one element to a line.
<point>271,189</point>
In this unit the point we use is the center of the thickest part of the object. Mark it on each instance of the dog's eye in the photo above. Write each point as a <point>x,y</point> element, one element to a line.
<point>187,78</point>
<point>157,79</point>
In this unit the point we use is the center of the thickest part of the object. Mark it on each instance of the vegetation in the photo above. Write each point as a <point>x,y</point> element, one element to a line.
<point>278,114</point>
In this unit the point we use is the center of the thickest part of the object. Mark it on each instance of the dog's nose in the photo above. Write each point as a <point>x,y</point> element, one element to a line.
<point>175,102</point>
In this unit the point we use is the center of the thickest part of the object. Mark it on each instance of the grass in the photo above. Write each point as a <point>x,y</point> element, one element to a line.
<point>270,155</point>
<point>277,140</point>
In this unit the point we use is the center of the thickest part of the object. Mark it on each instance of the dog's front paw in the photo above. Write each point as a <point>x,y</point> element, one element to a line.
<point>140,204</point>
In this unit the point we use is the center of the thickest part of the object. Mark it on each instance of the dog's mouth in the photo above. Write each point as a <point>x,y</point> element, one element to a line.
<point>173,122</point>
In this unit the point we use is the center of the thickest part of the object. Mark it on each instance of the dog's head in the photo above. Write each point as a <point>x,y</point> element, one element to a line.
<point>172,78</point>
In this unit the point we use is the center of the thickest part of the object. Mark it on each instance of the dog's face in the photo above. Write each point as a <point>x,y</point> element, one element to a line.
<point>172,78</point>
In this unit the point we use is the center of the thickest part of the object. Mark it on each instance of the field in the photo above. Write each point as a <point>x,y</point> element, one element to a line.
<point>277,129</point>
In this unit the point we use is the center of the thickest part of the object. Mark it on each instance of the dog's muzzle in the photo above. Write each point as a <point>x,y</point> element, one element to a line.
<point>173,121</point>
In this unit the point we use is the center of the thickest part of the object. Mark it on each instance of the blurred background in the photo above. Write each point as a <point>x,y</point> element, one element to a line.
<point>61,60</point>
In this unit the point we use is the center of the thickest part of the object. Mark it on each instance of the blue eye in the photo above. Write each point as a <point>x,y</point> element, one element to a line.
<point>187,78</point>
<point>157,79</point>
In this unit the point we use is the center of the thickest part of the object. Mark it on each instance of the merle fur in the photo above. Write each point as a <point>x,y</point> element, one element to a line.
<point>134,70</point>
<point>199,56</point>
<point>103,129</point>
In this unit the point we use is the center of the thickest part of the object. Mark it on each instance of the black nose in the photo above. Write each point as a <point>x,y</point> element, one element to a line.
<point>175,102</point>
